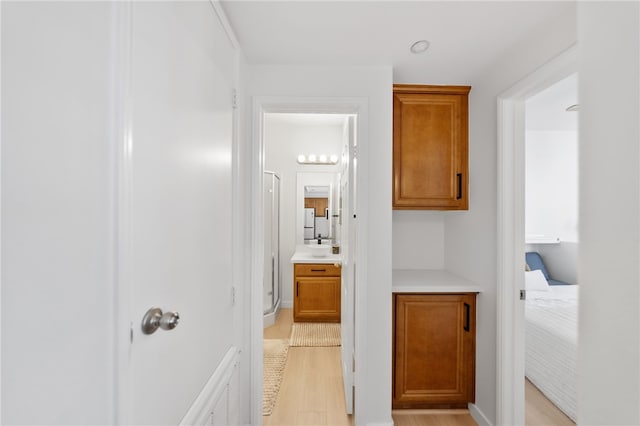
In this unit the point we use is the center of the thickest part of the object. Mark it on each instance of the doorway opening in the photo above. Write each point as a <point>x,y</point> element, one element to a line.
<point>312,151</point>
<point>551,246</point>
<point>511,233</point>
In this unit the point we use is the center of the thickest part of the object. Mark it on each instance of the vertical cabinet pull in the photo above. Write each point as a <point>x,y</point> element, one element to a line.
<point>459,176</point>
<point>297,288</point>
<point>467,319</point>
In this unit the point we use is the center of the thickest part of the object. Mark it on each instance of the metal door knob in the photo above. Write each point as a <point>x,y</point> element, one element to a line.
<point>155,318</point>
<point>169,320</point>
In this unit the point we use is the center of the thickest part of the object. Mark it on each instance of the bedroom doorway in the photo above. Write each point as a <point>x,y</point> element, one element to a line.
<point>551,251</point>
<point>511,232</point>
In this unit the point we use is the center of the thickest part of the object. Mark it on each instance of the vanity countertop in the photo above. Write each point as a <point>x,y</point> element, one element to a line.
<point>430,281</point>
<point>302,256</point>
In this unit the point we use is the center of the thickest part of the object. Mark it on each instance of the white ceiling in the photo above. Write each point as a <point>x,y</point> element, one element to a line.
<point>465,37</point>
<point>547,110</point>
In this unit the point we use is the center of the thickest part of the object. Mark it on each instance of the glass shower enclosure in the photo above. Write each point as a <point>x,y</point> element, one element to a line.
<point>272,278</point>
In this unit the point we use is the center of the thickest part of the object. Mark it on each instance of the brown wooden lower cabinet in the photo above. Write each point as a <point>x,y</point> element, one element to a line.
<point>316,293</point>
<point>433,350</point>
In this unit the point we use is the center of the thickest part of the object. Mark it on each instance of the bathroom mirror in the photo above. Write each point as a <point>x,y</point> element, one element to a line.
<point>315,206</point>
<point>316,212</point>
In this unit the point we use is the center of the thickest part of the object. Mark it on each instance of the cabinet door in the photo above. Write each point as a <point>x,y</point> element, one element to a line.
<point>430,147</point>
<point>434,350</point>
<point>317,299</point>
<point>321,205</point>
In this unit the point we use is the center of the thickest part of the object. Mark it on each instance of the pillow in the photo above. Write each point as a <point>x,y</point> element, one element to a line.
<point>526,267</point>
<point>534,260</point>
<point>535,281</point>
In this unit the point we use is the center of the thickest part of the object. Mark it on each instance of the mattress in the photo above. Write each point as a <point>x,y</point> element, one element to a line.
<point>551,330</point>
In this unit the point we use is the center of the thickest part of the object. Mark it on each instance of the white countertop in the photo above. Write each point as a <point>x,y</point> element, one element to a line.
<point>301,256</point>
<point>430,281</point>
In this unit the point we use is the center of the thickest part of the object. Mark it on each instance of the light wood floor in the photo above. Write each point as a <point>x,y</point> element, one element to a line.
<point>311,392</point>
<point>539,411</point>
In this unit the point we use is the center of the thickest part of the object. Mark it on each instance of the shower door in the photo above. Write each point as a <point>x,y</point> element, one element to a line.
<point>272,275</point>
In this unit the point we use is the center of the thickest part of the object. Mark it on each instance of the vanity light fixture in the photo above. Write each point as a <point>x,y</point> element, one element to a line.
<point>322,159</point>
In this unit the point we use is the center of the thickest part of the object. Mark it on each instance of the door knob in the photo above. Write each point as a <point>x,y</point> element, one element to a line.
<point>155,318</point>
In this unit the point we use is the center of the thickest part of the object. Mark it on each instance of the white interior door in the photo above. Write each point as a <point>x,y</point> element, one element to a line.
<point>349,234</point>
<point>269,255</point>
<point>178,221</point>
<point>277,270</point>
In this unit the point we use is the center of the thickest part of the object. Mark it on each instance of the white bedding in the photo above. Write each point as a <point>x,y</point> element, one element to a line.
<point>551,329</point>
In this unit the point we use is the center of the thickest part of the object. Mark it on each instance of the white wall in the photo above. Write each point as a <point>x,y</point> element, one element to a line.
<point>57,259</point>
<point>418,239</point>
<point>551,184</point>
<point>609,267</point>
<point>283,142</point>
<point>373,335</point>
<point>470,237</point>
<point>551,198</point>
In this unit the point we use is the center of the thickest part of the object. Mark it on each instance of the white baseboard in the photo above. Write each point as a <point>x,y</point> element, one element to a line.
<point>204,409</point>
<point>478,416</point>
<point>287,304</point>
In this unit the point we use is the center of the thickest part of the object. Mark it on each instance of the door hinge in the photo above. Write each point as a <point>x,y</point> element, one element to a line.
<point>233,296</point>
<point>234,99</point>
<point>523,294</point>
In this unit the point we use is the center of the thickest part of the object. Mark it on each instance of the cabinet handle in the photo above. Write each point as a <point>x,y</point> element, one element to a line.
<point>318,270</point>
<point>297,288</point>
<point>459,197</point>
<point>467,319</point>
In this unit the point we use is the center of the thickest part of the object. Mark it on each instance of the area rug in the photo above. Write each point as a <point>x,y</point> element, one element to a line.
<point>315,334</point>
<point>275,359</point>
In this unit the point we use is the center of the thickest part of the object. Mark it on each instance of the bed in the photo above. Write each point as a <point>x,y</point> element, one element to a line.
<point>551,328</point>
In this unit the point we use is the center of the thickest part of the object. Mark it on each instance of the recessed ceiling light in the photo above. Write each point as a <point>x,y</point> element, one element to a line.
<point>419,46</point>
<point>575,107</point>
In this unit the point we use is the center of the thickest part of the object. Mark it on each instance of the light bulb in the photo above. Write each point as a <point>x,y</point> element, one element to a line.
<point>312,158</point>
<point>301,158</point>
<point>334,158</point>
<point>323,158</point>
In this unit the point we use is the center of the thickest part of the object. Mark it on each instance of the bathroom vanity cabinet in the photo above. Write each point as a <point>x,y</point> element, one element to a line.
<point>433,350</point>
<point>316,292</point>
<point>430,147</point>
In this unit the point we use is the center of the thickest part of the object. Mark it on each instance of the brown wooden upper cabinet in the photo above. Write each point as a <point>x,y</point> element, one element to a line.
<point>319,204</point>
<point>430,147</point>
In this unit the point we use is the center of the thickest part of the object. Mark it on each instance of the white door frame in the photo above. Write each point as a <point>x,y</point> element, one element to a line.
<point>262,105</point>
<point>511,246</point>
